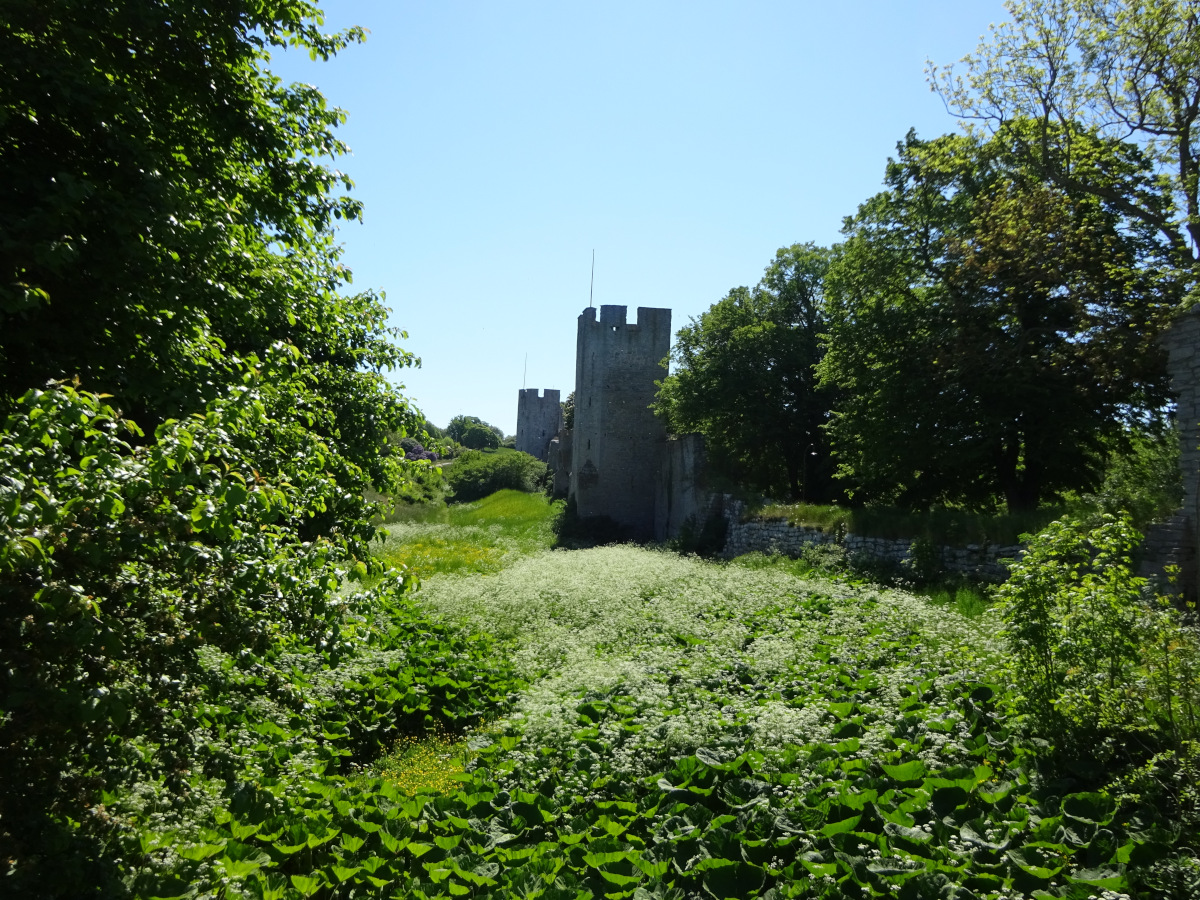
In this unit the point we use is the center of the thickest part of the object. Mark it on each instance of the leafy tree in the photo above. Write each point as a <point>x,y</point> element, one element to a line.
<point>989,329</point>
<point>165,215</point>
<point>745,379</point>
<point>166,237</point>
<point>568,411</point>
<point>1120,69</point>
<point>479,437</point>
<point>459,424</point>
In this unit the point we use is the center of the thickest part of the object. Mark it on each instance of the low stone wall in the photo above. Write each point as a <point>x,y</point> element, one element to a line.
<point>778,536</point>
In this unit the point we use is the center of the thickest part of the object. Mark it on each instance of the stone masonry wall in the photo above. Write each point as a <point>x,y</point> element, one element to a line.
<point>681,493</point>
<point>558,458</point>
<point>617,440</point>
<point>778,536</point>
<point>538,420</point>
<point>1182,343</point>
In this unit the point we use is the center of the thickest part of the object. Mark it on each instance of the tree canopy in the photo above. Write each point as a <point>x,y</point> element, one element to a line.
<point>988,328</point>
<point>461,424</point>
<point>193,407</point>
<point>1062,73</point>
<point>166,214</point>
<point>745,378</point>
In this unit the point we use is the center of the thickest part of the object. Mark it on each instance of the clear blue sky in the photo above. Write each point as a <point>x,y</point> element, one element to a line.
<point>495,145</point>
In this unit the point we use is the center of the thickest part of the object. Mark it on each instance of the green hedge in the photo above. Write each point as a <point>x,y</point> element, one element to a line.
<point>477,474</point>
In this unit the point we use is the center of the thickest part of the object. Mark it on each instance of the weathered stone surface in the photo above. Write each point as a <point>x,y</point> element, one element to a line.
<point>618,441</point>
<point>778,536</point>
<point>1169,545</point>
<point>538,421</point>
<point>1182,341</point>
<point>681,493</point>
<point>558,458</point>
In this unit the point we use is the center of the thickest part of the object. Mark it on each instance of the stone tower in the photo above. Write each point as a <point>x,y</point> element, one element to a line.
<point>538,420</point>
<point>1175,540</point>
<point>617,441</point>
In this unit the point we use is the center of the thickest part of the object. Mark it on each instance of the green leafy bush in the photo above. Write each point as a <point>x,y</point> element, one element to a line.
<point>171,632</point>
<point>476,474</point>
<point>1094,651</point>
<point>479,437</point>
<point>1142,478</point>
<point>118,562</point>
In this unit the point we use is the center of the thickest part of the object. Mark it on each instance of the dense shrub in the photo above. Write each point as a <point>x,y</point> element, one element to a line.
<point>1094,651</point>
<point>479,437</point>
<point>1142,478</point>
<point>160,599</point>
<point>476,474</point>
<point>704,538</point>
<point>118,562</point>
<point>459,425</point>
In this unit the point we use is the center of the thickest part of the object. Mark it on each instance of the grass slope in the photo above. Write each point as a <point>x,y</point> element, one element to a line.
<point>473,538</point>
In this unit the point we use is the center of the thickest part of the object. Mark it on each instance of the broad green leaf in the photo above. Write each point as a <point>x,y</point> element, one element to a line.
<point>199,852</point>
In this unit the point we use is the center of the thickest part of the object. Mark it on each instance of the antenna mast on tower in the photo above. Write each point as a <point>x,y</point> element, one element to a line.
<point>592,286</point>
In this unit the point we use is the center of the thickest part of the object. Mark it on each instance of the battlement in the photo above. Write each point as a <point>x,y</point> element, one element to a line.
<point>538,419</point>
<point>615,319</point>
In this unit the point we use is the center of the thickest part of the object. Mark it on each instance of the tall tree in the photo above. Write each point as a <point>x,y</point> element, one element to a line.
<point>166,237</point>
<point>745,378</point>
<point>1075,70</point>
<point>165,214</point>
<point>988,329</point>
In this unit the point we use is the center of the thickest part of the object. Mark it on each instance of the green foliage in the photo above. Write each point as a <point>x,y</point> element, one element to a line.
<point>177,626</point>
<point>459,425</point>
<point>166,216</point>
<point>732,730</point>
<point>1088,641</point>
<point>668,726</point>
<point>568,411</point>
<point>476,474</point>
<point>424,485</point>
<point>1142,478</point>
<point>751,358</point>
<point>925,560</point>
<point>703,538</point>
<point>1121,70</point>
<point>969,601</point>
<point>122,566</point>
<point>479,437</point>
<point>574,532</point>
<point>989,330</point>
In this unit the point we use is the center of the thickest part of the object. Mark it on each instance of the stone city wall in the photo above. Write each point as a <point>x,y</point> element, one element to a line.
<point>681,494</point>
<point>1182,343</point>
<point>778,536</point>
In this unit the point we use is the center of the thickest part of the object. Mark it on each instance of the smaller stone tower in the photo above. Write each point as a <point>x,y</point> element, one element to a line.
<point>617,440</point>
<point>538,420</point>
